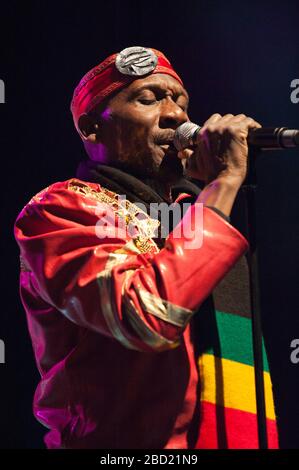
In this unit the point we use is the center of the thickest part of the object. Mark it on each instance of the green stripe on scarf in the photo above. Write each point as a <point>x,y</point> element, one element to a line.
<point>236,339</point>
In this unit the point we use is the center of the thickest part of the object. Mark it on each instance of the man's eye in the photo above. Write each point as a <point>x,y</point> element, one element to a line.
<point>146,100</point>
<point>183,107</point>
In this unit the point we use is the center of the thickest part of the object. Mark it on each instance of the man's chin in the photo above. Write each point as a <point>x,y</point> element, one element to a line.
<point>167,167</point>
<point>171,167</point>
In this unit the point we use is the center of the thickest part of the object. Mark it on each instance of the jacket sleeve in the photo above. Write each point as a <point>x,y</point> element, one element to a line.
<point>100,280</point>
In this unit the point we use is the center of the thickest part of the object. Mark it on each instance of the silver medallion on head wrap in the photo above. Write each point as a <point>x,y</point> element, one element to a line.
<point>136,61</point>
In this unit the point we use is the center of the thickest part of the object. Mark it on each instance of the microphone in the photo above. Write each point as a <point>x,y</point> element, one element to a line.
<point>186,135</point>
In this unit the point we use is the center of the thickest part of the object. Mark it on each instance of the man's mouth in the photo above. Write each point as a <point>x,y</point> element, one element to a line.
<point>165,141</point>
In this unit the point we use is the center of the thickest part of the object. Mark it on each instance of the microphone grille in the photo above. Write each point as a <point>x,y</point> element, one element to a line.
<point>183,136</point>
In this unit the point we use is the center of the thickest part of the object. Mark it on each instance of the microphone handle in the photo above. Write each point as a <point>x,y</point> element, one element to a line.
<point>273,137</point>
<point>268,137</point>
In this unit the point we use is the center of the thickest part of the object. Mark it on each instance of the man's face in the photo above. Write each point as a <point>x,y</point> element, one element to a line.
<point>137,126</point>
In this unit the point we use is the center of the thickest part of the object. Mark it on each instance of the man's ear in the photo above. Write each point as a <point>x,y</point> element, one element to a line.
<point>89,128</point>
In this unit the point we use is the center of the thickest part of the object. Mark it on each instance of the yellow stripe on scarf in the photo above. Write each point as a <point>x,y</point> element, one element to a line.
<point>231,384</point>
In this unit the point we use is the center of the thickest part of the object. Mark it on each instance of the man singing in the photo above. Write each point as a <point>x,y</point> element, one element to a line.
<point>132,347</point>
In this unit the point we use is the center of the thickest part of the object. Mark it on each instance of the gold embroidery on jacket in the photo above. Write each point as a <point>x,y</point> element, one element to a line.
<point>129,212</point>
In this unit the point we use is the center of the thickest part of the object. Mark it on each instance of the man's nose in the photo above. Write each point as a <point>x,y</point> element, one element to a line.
<point>172,115</point>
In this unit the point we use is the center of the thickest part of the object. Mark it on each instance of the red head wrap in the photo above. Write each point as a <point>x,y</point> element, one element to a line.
<point>114,73</point>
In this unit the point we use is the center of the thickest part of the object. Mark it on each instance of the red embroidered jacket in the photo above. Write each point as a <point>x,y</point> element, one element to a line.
<point>110,317</point>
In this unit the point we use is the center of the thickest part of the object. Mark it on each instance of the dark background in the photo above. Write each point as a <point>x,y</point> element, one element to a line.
<point>237,57</point>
